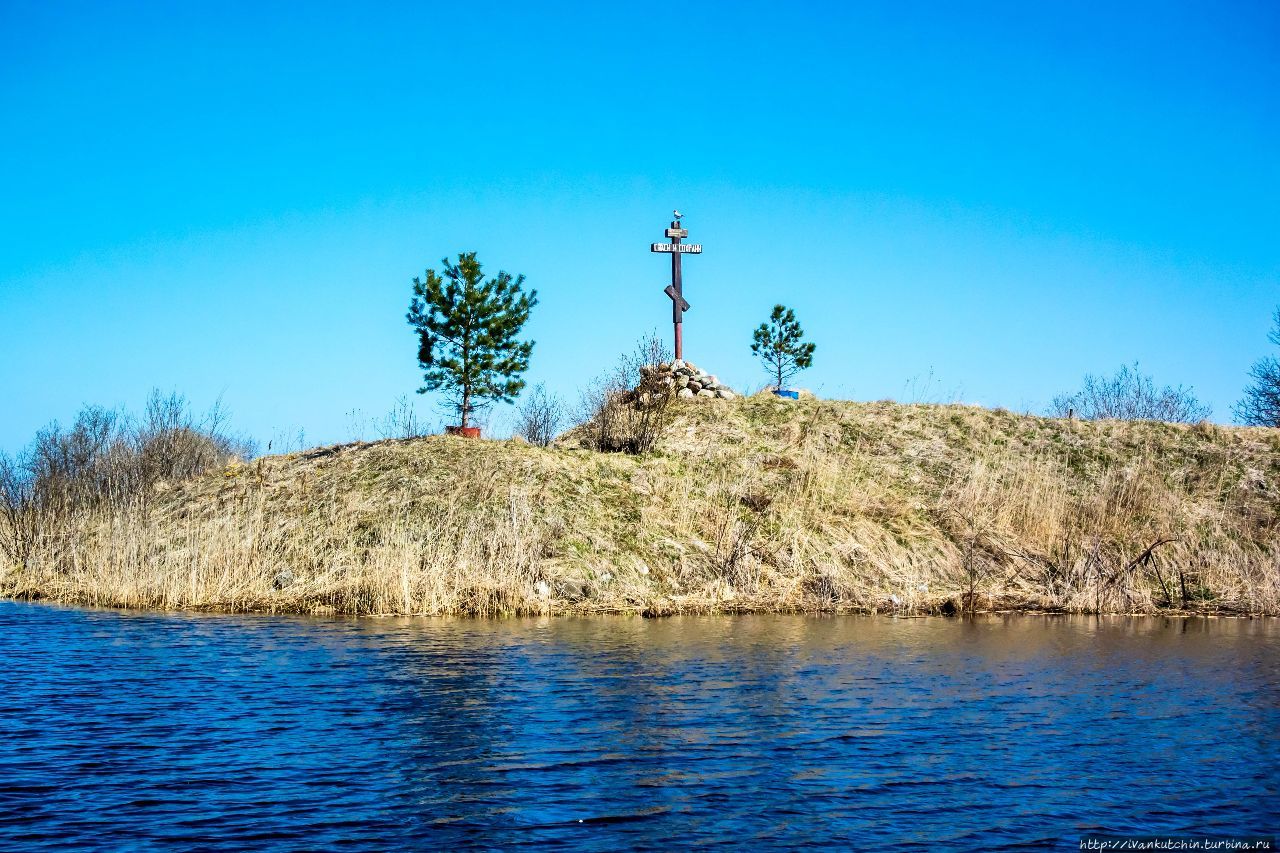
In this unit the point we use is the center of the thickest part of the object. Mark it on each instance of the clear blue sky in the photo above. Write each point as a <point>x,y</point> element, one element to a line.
<point>232,202</point>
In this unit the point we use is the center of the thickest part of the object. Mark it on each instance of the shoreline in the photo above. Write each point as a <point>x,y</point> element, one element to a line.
<point>658,613</point>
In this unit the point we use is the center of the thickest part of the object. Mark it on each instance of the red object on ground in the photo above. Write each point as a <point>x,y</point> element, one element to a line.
<point>465,432</point>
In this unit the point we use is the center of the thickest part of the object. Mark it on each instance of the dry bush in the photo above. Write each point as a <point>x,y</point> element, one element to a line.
<point>1129,396</point>
<point>540,417</point>
<point>17,508</point>
<point>1261,403</point>
<point>628,421</point>
<point>171,443</point>
<point>105,460</point>
<point>401,422</point>
<point>628,409</point>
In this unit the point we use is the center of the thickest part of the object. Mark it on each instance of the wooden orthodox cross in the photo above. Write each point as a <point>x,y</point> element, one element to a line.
<point>678,304</point>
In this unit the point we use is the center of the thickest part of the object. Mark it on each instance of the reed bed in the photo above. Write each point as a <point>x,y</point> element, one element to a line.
<point>754,504</point>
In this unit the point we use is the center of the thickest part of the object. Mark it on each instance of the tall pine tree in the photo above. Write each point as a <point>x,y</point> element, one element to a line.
<point>778,345</point>
<point>467,334</point>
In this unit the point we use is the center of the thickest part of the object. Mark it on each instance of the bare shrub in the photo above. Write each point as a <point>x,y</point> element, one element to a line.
<point>356,425</point>
<point>401,422</point>
<point>540,417</point>
<point>928,389</point>
<point>106,459</point>
<point>629,421</point>
<point>16,505</point>
<point>1261,403</point>
<point>287,441</point>
<point>650,351</point>
<point>619,416</point>
<point>170,443</point>
<point>1130,396</point>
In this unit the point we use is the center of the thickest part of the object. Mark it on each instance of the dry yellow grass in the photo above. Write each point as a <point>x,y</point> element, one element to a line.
<point>754,504</point>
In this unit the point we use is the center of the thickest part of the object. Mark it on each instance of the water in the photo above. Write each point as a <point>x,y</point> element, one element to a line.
<point>140,731</point>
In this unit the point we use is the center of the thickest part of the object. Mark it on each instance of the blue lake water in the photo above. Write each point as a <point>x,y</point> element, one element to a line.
<point>146,731</point>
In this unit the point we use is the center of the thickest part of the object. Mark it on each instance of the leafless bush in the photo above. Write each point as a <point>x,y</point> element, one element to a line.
<point>627,409</point>
<point>540,417</point>
<point>1261,403</point>
<point>287,441</point>
<point>630,421</point>
<point>928,389</point>
<point>106,458</point>
<point>170,443</point>
<point>650,351</point>
<point>401,422</point>
<point>16,506</point>
<point>1130,396</point>
<point>356,425</point>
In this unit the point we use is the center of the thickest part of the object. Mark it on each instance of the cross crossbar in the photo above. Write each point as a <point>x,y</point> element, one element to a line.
<point>677,298</point>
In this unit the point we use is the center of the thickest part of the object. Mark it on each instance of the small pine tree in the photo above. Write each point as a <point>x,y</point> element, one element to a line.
<point>1261,403</point>
<point>467,334</point>
<point>777,345</point>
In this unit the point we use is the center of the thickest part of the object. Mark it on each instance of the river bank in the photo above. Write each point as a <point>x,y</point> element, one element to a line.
<point>747,505</point>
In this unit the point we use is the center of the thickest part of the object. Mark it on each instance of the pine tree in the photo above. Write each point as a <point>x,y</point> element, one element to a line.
<point>467,334</point>
<point>777,344</point>
<point>1261,403</point>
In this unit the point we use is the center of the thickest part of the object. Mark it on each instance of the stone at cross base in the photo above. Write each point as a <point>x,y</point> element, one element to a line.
<point>689,380</point>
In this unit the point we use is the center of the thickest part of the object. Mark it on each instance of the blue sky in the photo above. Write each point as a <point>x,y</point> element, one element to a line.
<point>232,202</point>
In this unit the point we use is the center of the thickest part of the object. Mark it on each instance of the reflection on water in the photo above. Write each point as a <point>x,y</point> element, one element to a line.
<point>232,732</point>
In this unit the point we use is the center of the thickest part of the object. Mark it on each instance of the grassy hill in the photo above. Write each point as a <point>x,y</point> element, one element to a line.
<point>750,504</point>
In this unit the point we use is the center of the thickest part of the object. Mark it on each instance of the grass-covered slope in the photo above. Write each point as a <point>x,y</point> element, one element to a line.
<point>753,504</point>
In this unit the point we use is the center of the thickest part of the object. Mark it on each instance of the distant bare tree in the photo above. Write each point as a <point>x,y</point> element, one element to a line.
<point>1130,396</point>
<point>1261,403</point>
<point>540,417</point>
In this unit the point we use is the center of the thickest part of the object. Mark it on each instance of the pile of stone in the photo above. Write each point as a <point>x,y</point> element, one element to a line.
<point>688,379</point>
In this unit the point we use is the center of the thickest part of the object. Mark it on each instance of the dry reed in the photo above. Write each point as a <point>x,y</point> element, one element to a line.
<point>755,504</point>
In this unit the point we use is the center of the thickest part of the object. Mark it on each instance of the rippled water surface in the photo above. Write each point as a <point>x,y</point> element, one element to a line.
<point>219,732</point>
